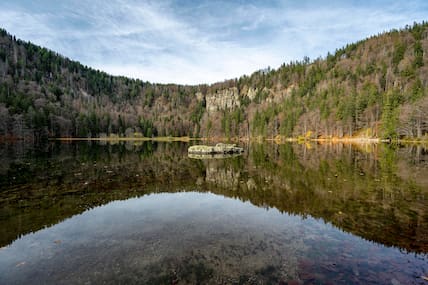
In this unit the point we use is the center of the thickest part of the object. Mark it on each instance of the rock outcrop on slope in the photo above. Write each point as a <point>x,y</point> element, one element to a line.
<point>227,99</point>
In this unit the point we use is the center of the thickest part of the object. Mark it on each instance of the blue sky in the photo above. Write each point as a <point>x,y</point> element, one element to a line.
<point>205,41</point>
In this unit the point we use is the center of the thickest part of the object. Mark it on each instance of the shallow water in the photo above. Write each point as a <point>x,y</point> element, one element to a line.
<point>86,213</point>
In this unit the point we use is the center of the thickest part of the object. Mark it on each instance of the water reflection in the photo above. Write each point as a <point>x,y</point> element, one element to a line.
<point>213,156</point>
<point>377,193</point>
<point>195,238</point>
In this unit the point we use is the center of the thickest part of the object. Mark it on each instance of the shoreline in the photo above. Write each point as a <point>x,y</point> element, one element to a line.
<point>355,140</point>
<point>277,140</point>
<point>107,139</point>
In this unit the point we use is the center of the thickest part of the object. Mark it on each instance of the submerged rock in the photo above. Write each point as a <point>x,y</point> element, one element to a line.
<point>220,148</point>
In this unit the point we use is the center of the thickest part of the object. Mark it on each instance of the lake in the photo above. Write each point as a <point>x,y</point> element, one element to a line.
<point>146,213</point>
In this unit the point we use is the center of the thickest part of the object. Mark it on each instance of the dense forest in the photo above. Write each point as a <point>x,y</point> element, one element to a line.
<point>376,87</point>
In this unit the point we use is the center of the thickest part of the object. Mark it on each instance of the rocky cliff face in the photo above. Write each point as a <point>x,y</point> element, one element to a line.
<point>252,93</point>
<point>226,99</point>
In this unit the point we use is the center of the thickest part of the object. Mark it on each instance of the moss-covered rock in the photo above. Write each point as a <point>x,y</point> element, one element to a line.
<point>220,148</point>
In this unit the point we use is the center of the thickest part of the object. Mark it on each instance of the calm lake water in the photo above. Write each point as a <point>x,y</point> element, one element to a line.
<point>91,213</point>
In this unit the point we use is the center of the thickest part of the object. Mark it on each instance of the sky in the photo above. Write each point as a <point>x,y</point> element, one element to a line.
<point>192,42</point>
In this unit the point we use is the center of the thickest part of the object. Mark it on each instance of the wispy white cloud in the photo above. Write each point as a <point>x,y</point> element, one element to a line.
<point>199,42</point>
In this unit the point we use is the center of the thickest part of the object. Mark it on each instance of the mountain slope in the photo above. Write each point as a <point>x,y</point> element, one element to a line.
<point>376,88</point>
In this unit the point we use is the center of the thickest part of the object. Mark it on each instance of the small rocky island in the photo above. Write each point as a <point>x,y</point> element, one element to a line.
<point>220,148</point>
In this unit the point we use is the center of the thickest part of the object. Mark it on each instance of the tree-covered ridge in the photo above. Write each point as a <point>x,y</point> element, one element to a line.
<point>376,88</point>
<point>45,94</point>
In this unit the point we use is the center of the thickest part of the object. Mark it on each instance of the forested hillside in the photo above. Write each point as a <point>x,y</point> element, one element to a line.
<point>373,88</point>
